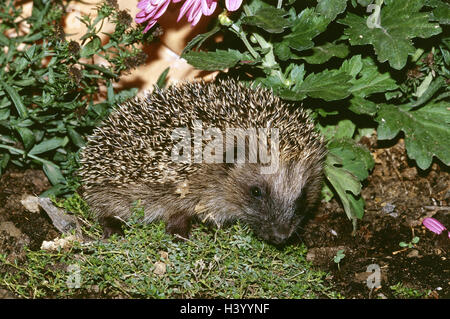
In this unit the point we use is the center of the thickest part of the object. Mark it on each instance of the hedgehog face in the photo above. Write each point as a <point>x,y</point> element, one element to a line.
<point>273,204</point>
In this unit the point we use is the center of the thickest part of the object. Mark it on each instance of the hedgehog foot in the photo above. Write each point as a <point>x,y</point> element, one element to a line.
<point>111,226</point>
<point>179,224</point>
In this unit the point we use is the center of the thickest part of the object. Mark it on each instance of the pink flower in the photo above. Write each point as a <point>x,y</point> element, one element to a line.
<point>151,10</point>
<point>434,225</point>
<point>233,5</point>
<point>195,8</point>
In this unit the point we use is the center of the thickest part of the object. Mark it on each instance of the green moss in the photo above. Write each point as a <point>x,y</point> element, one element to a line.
<point>148,263</point>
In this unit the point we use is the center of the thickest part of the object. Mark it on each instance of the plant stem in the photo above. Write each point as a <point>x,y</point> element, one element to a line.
<point>241,34</point>
<point>269,59</point>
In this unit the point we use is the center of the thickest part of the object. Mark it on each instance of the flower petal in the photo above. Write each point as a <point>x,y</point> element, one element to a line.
<point>142,17</point>
<point>149,25</point>
<point>434,225</point>
<point>197,18</point>
<point>194,10</point>
<point>161,10</point>
<point>233,5</point>
<point>207,11</point>
<point>185,8</point>
<point>143,4</point>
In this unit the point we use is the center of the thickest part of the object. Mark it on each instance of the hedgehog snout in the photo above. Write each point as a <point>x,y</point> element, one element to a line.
<point>276,234</point>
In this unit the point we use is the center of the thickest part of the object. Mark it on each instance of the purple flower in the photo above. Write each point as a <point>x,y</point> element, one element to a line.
<point>233,5</point>
<point>151,10</point>
<point>195,8</point>
<point>434,225</point>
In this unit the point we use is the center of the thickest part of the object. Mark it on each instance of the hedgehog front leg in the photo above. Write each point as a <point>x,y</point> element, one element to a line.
<point>179,223</point>
<point>111,225</point>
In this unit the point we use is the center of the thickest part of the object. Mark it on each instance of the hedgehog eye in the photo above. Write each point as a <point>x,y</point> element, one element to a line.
<point>255,191</point>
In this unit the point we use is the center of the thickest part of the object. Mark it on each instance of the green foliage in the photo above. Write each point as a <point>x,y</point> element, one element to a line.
<point>270,19</point>
<point>426,130</point>
<point>391,30</point>
<point>339,256</point>
<point>148,263</point>
<point>401,291</point>
<point>327,85</point>
<point>323,53</point>
<point>411,244</point>
<point>312,54</point>
<point>218,60</point>
<point>49,87</point>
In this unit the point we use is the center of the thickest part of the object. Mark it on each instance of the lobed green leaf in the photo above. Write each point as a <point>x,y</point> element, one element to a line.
<point>269,19</point>
<point>218,60</point>
<point>426,129</point>
<point>400,22</point>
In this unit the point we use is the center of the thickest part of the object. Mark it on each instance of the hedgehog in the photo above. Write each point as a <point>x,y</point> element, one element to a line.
<point>213,152</point>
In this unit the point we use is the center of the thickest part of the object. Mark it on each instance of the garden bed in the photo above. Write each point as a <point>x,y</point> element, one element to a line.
<point>397,196</point>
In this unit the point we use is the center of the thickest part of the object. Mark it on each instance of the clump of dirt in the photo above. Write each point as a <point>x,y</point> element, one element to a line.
<point>398,197</point>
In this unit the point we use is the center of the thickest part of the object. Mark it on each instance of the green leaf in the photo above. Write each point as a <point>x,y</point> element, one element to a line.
<point>327,193</point>
<point>356,158</point>
<point>4,159</point>
<point>327,85</point>
<point>162,79</point>
<point>365,3</point>
<point>124,95</point>
<point>343,129</point>
<point>352,66</point>
<point>370,80</point>
<point>218,60</point>
<point>400,22</point>
<point>48,145</point>
<point>426,130</point>
<point>53,173</point>
<point>331,8</point>
<point>432,88</point>
<point>424,85</point>
<point>269,19</point>
<point>283,51</point>
<point>4,114</point>
<point>29,53</point>
<point>198,40</point>
<point>76,138</point>
<point>346,186</point>
<point>339,256</point>
<point>366,80</point>
<point>55,190</point>
<point>27,136</point>
<point>441,11</point>
<point>17,100</point>
<point>271,82</point>
<point>322,54</point>
<point>4,41</point>
<point>306,26</point>
<point>360,105</point>
<point>91,47</point>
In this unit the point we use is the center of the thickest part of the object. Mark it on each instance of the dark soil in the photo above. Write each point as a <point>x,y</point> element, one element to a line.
<point>397,196</point>
<point>19,227</point>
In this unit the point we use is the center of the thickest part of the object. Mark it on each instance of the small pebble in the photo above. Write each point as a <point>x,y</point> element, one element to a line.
<point>388,208</point>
